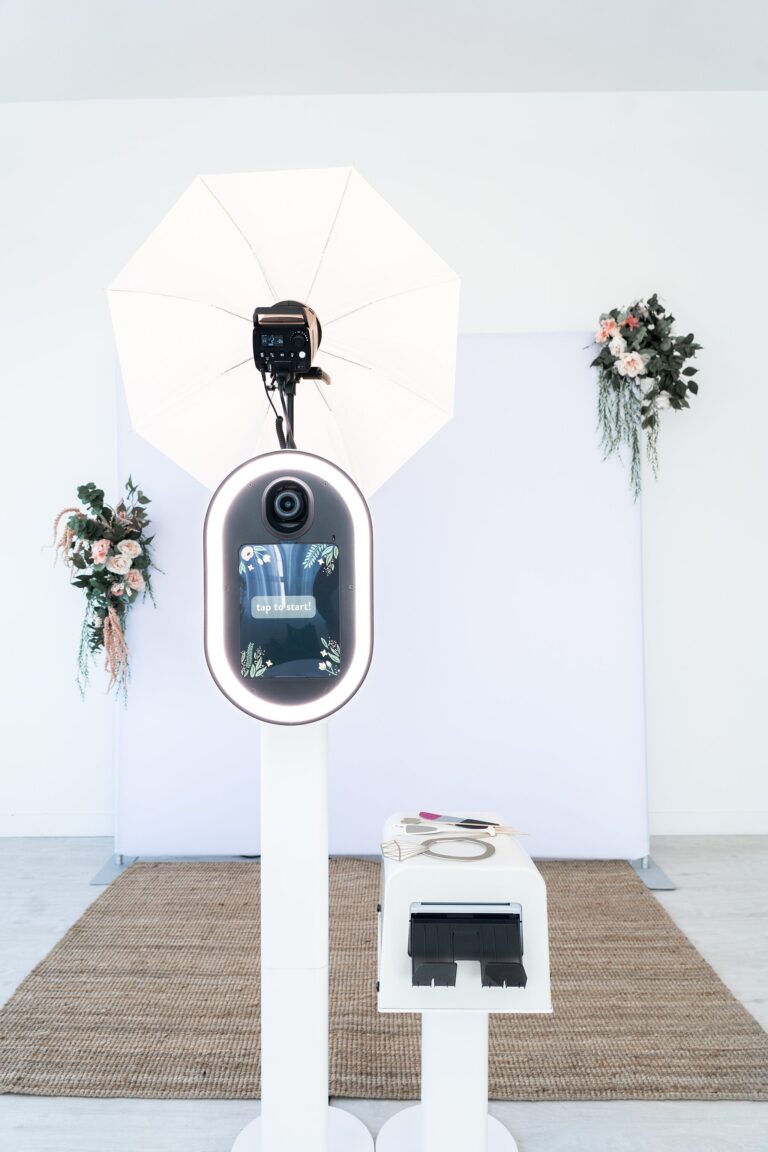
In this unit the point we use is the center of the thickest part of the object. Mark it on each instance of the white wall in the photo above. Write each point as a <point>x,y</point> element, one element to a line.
<point>552,207</point>
<point>115,52</point>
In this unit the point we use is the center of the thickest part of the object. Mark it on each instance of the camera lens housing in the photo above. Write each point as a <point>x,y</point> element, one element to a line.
<point>288,506</point>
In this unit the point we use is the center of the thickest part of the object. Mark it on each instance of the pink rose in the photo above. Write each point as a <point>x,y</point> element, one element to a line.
<point>117,589</point>
<point>135,580</point>
<point>608,328</point>
<point>100,551</point>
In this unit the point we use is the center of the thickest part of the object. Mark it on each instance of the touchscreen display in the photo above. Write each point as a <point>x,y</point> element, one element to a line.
<point>289,610</point>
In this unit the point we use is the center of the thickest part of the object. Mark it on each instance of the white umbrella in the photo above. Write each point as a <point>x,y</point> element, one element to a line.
<point>182,310</point>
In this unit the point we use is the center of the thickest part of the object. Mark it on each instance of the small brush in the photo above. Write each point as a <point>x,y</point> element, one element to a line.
<point>461,821</point>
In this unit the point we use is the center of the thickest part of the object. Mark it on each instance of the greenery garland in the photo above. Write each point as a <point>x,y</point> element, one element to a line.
<point>641,371</point>
<point>109,556</point>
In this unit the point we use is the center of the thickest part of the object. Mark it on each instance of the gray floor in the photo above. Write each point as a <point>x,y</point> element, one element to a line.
<point>721,902</point>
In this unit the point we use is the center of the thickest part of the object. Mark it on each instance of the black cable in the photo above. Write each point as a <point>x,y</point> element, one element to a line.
<point>278,418</point>
<point>267,391</point>
<point>285,386</point>
<point>290,442</point>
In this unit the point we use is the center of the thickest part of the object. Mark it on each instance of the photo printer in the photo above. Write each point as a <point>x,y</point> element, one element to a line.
<point>463,934</point>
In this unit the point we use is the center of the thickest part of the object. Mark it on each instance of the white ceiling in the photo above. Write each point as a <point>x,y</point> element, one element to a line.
<point>100,49</point>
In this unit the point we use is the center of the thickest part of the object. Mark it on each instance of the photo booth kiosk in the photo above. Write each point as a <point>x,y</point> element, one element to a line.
<point>288,628</point>
<point>288,639</point>
<point>462,934</point>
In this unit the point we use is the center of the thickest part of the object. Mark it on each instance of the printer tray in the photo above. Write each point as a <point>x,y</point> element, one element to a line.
<point>437,940</point>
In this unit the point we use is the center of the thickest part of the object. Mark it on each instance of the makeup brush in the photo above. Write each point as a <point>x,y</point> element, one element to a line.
<point>461,821</point>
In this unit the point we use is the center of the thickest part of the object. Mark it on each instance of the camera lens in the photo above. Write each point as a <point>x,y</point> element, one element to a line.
<point>287,505</point>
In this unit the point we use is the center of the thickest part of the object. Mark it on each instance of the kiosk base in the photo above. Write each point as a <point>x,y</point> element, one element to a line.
<point>403,1132</point>
<point>345,1134</point>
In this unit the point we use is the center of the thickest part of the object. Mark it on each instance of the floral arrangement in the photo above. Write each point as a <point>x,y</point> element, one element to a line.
<point>642,370</point>
<point>108,554</point>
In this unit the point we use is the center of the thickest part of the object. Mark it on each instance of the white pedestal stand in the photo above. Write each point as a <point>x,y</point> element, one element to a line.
<point>453,1114</point>
<point>295,1115</point>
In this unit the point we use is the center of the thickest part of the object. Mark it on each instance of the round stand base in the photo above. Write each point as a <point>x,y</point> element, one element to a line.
<point>345,1134</point>
<point>402,1133</point>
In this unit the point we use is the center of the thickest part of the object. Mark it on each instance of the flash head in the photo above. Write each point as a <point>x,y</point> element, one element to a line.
<point>286,337</point>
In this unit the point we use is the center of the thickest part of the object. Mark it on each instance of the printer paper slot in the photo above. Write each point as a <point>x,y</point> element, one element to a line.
<point>437,940</point>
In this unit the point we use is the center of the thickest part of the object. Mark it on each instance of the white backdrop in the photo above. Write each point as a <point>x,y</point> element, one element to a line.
<point>507,671</point>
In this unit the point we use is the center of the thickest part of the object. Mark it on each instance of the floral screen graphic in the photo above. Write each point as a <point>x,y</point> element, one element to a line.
<point>289,610</point>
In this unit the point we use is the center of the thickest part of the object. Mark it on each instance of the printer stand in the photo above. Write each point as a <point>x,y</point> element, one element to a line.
<point>453,1114</point>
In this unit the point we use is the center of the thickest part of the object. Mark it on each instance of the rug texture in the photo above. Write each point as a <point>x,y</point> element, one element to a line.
<point>155,993</point>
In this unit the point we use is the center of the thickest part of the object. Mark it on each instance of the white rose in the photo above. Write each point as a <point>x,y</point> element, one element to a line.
<point>618,345</point>
<point>662,401</point>
<point>129,548</point>
<point>119,564</point>
<point>631,364</point>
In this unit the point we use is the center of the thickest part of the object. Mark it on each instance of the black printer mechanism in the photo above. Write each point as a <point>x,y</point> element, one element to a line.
<point>442,934</point>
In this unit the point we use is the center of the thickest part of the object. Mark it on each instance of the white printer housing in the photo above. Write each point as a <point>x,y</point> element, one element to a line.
<point>497,888</point>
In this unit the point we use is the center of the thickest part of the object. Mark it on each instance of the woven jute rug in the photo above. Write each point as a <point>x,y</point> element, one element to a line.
<point>155,993</point>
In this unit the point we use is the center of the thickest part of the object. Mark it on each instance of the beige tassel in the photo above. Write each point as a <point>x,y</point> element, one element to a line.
<point>64,543</point>
<point>115,650</point>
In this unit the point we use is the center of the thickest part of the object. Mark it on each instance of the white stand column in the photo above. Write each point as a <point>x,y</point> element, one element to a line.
<point>295,1116</point>
<point>453,1114</point>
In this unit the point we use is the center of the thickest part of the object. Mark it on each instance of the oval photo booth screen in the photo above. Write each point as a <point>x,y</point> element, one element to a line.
<point>289,610</point>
